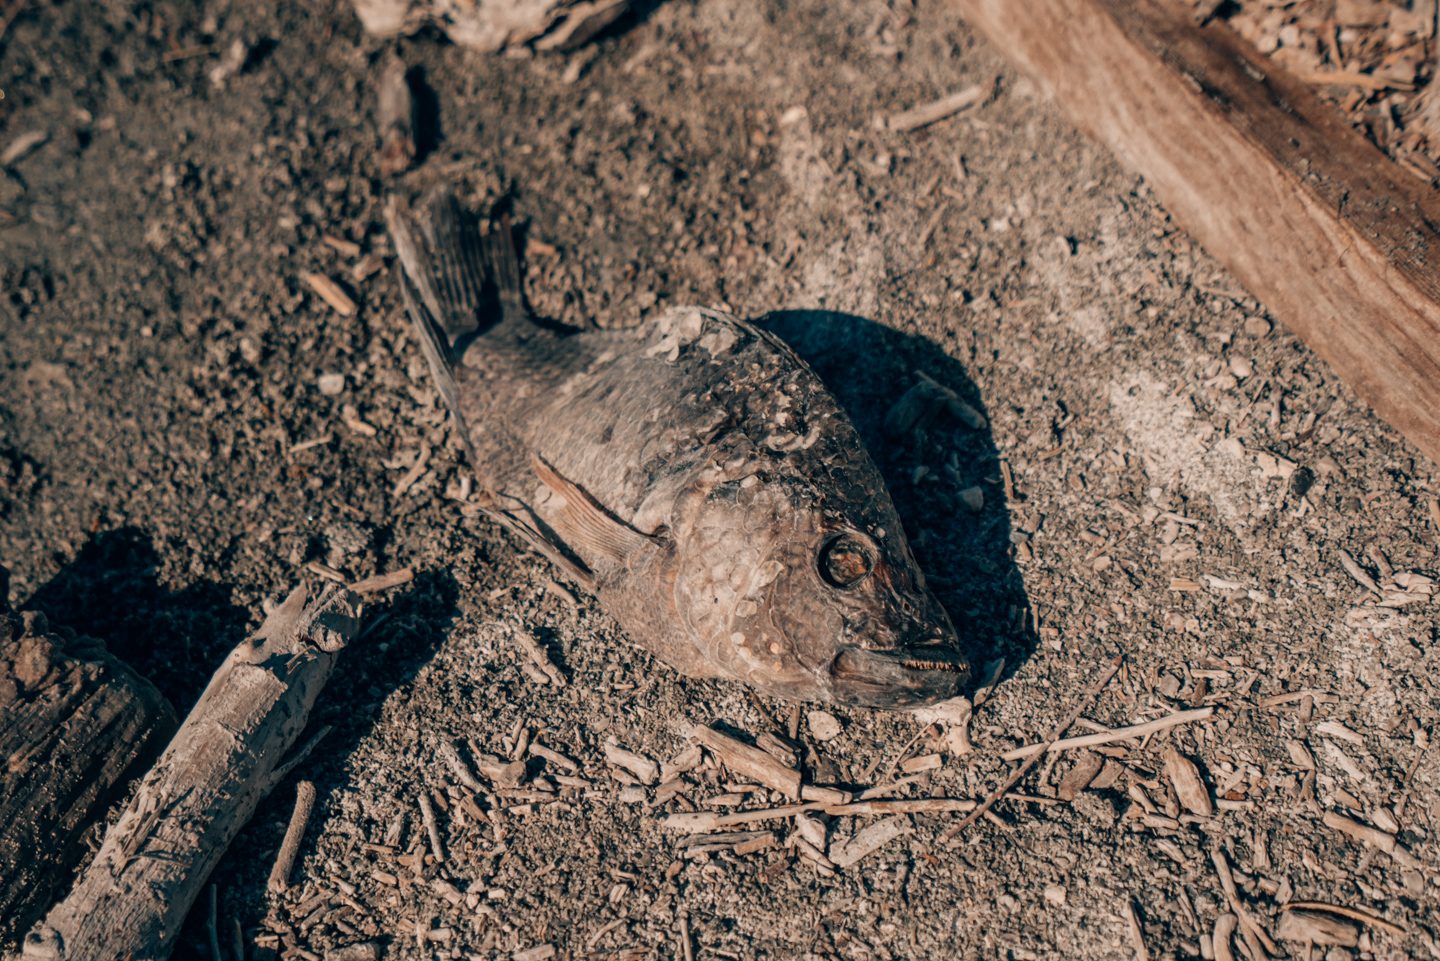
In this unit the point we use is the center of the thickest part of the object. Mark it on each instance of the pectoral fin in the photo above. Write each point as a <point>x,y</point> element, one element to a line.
<point>588,528</point>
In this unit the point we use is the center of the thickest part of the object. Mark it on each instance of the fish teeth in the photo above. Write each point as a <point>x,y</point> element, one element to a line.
<point>931,666</point>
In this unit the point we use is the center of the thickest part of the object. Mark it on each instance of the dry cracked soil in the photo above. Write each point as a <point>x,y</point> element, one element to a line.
<point>1167,475</point>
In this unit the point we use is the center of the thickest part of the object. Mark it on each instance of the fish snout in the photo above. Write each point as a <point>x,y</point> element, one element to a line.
<point>903,677</point>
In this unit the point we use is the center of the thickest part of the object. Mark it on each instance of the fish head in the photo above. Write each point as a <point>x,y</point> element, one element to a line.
<point>818,606</point>
<point>855,603</point>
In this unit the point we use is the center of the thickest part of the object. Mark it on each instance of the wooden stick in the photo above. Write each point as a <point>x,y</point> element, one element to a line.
<point>1224,930</point>
<point>229,754</point>
<point>1118,734</point>
<point>938,110</point>
<point>1253,933</point>
<point>1136,935</point>
<point>687,947</point>
<point>750,762</point>
<point>1352,913</point>
<point>1060,729</point>
<point>924,805</point>
<point>212,925</point>
<point>1339,242</point>
<point>427,813</point>
<point>382,582</point>
<point>294,834</point>
<point>703,822</point>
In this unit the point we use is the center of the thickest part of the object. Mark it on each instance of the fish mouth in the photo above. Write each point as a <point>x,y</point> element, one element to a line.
<point>897,679</point>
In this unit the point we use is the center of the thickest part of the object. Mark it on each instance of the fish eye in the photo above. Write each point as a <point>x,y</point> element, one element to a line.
<point>846,561</point>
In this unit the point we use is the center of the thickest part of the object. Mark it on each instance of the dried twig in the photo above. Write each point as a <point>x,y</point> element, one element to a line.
<point>1136,935</point>
<point>895,761</point>
<point>927,805</point>
<point>451,755</point>
<point>1320,697</point>
<point>1060,729</point>
<point>299,819</point>
<point>703,822</point>
<point>330,292</point>
<point>382,582</point>
<point>637,764</point>
<point>686,947</point>
<point>23,144</point>
<point>212,924</point>
<point>395,113</point>
<point>230,753</point>
<point>427,813</point>
<point>940,109</point>
<point>528,644</point>
<point>1118,734</point>
<point>1254,934</point>
<point>1352,913</point>
<point>1224,930</point>
<point>415,472</point>
<point>554,757</point>
<point>1375,837</point>
<point>1354,570</point>
<point>750,762</point>
<point>884,789</point>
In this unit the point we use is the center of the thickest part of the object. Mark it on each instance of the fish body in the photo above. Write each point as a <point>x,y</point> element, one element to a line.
<point>693,473</point>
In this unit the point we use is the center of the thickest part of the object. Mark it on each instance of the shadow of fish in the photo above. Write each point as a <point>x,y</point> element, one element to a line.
<point>692,473</point>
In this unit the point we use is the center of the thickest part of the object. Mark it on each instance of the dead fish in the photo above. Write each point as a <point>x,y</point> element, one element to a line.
<point>692,473</point>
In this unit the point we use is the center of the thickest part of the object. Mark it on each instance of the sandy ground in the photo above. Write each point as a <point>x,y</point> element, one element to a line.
<point>1166,476</point>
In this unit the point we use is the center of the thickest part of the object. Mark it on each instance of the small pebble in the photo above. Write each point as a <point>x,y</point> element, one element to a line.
<point>823,725</point>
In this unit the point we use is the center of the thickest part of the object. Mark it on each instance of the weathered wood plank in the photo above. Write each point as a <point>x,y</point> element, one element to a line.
<point>1338,242</point>
<point>230,752</point>
<point>75,725</point>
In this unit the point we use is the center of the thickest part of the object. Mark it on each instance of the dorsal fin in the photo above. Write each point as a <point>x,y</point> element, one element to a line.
<point>457,265</point>
<point>499,248</point>
<point>587,527</point>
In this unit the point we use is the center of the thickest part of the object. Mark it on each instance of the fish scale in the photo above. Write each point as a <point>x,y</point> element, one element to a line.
<point>692,473</point>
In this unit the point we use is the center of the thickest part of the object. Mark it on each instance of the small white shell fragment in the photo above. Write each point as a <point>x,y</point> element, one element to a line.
<point>823,725</point>
<point>812,830</point>
<point>331,384</point>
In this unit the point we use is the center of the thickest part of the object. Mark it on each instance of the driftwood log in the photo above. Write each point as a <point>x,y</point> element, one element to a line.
<point>1335,239</point>
<point>75,725</point>
<point>230,752</point>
